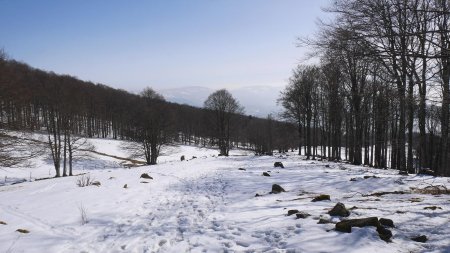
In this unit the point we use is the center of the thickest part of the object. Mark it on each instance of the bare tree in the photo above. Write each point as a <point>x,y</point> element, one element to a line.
<point>224,107</point>
<point>17,150</point>
<point>153,125</point>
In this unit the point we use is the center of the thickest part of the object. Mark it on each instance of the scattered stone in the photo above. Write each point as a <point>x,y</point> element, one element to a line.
<point>146,176</point>
<point>277,189</point>
<point>194,157</point>
<point>414,200</point>
<point>353,179</point>
<point>321,197</point>
<point>111,178</point>
<point>291,212</point>
<point>387,222</point>
<point>346,225</point>
<point>2,223</point>
<point>367,177</point>
<point>144,182</point>
<point>353,208</point>
<point>384,233</point>
<point>241,169</point>
<point>324,221</point>
<point>257,195</point>
<point>182,158</point>
<point>23,231</point>
<point>125,186</point>
<point>302,215</point>
<point>96,183</point>
<point>278,165</point>
<point>327,166</point>
<point>339,210</point>
<point>432,208</point>
<point>400,212</point>
<point>420,238</point>
<point>266,174</point>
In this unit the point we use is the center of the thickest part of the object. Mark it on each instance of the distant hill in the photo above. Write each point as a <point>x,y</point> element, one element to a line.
<point>257,100</point>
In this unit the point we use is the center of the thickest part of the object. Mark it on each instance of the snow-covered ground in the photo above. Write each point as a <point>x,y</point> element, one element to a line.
<point>207,205</point>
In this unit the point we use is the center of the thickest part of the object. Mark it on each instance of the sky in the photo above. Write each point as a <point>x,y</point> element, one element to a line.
<point>162,44</point>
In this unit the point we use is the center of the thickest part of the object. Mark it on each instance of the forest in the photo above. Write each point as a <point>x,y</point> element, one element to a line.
<point>380,94</point>
<point>66,108</point>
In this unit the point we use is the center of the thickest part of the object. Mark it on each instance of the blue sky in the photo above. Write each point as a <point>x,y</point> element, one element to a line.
<point>162,44</point>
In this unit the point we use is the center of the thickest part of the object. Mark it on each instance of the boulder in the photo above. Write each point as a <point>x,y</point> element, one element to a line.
<point>125,186</point>
<point>182,158</point>
<point>266,174</point>
<point>278,165</point>
<point>291,212</point>
<point>277,189</point>
<point>339,210</point>
<point>321,197</point>
<point>346,225</point>
<point>384,233</point>
<point>241,169</point>
<point>420,238</point>
<point>302,215</point>
<point>2,223</point>
<point>257,195</point>
<point>146,176</point>
<point>387,222</point>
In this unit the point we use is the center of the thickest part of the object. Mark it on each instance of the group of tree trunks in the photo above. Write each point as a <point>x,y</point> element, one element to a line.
<point>381,90</point>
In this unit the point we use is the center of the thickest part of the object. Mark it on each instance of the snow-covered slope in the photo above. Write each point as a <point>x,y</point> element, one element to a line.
<point>206,204</point>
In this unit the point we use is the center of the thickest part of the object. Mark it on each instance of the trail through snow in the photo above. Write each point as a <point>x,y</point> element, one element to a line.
<point>208,205</point>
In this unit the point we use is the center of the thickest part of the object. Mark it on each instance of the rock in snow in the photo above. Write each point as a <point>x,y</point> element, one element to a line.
<point>277,189</point>
<point>146,176</point>
<point>339,210</point>
<point>278,165</point>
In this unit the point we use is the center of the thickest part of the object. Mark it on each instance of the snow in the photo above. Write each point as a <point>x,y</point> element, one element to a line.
<point>207,205</point>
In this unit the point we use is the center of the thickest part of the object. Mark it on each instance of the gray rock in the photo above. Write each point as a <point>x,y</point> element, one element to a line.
<point>339,210</point>
<point>346,225</point>
<point>146,176</point>
<point>420,238</point>
<point>302,215</point>
<point>277,189</point>
<point>387,222</point>
<point>278,165</point>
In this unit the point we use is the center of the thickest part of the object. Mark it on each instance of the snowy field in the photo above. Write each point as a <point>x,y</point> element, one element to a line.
<point>207,204</point>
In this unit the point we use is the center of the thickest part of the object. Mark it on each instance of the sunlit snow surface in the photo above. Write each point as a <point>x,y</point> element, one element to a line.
<point>208,205</point>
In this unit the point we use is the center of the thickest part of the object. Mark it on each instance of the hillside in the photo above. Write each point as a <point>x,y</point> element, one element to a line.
<point>207,204</point>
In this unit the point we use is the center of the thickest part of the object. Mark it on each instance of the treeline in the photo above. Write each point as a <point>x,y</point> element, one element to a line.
<point>65,108</point>
<point>381,94</point>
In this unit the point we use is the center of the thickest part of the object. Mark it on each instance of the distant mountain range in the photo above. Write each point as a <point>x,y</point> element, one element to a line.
<point>257,100</point>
